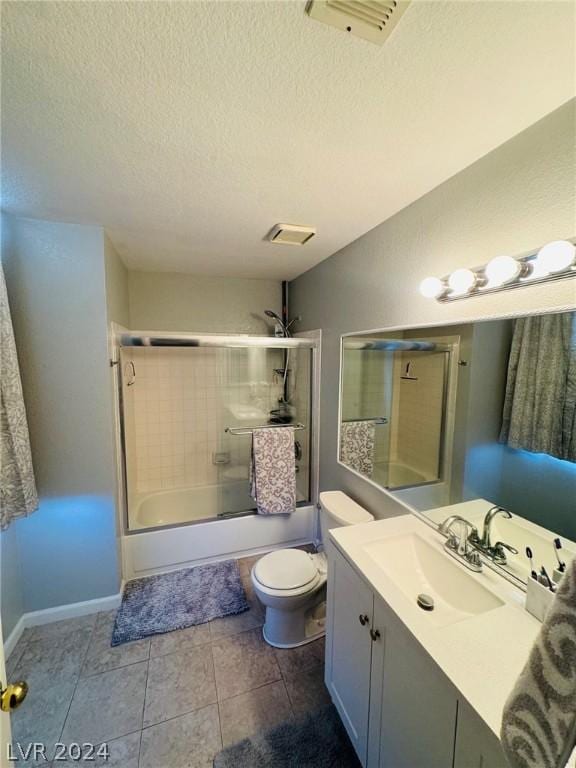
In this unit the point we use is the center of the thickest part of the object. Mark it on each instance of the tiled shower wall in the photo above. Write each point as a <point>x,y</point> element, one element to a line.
<point>178,406</point>
<point>417,412</point>
<point>177,417</point>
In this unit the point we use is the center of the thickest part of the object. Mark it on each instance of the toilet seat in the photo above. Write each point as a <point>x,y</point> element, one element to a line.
<point>288,573</point>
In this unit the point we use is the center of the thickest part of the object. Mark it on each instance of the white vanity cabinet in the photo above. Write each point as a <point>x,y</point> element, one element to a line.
<point>398,707</point>
<point>350,648</point>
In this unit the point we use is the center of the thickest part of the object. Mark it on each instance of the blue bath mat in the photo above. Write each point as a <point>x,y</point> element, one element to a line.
<point>179,599</point>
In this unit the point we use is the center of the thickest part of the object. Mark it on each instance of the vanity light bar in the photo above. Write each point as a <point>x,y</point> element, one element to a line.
<point>553,261</point>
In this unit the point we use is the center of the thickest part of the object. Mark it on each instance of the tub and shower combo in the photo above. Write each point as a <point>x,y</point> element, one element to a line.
<point>187,407</point>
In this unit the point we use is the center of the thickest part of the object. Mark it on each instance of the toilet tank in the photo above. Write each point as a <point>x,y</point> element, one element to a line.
<point>337,509</point>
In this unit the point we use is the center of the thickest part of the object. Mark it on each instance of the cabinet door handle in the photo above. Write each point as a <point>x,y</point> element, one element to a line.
<point>363,619</point>
<point>374,634</point>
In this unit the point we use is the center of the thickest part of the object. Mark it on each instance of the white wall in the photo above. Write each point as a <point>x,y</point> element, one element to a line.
<point>511,201</point>
<point>169,301</point>
<point>56,286</point>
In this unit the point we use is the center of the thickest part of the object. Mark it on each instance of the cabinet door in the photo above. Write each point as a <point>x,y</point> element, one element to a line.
<point>348,648</point>
<point>418,704</point>
<point>476,745</point>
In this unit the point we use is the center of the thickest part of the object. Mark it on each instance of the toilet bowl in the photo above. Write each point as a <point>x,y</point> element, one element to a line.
<point>291,583</point>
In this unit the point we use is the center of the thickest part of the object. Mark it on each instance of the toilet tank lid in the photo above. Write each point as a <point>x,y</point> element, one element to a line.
<point>343,509</point>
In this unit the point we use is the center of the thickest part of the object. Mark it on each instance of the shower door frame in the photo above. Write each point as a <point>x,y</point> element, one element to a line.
<point>121,337</point>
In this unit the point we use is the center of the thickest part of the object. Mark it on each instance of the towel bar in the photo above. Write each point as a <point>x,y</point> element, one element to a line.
<point>375,419</point>
<point>250,430</point>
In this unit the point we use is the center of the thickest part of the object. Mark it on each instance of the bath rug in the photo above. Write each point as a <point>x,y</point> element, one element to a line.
<point>179,599</point>
<point>317,740</point>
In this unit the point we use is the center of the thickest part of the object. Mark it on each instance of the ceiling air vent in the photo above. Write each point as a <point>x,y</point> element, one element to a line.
<point>371,20</point>
<point>290,234</point>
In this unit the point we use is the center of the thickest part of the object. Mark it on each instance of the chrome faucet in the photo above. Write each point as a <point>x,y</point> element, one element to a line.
<point>460,546</point>
<point>490,515</point>
<point>484,544</point>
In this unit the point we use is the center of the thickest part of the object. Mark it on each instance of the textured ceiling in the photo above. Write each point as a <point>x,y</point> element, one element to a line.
<point>188,129</point>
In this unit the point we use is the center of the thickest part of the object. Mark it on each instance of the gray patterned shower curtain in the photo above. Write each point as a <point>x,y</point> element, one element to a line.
<point>18,495</point>
<point>540,403</point>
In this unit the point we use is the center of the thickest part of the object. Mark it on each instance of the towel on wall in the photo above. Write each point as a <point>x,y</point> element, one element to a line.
<point>539,719</point>
<point>357,439</point>
<point>273,470</point>
<point>18,495</point>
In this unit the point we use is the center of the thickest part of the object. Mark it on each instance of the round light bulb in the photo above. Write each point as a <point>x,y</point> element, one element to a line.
<point>461,281</point>
<point>432,287</point>
<point>555,257</point>
<point>501,270</point>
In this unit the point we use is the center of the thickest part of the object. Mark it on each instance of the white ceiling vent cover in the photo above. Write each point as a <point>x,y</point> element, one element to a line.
<point>371,20</point>
<point>290,234</point>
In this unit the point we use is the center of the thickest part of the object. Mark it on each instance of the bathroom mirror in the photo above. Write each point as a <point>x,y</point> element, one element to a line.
<point>456,419</point>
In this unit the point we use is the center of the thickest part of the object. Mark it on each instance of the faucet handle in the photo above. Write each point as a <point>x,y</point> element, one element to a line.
<point>503,545</point>
<point>452,542</point>
<point>497,552</point>
<point>473,559</point>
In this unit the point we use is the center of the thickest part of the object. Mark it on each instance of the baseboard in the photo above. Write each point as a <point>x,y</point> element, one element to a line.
<point>58,613</point>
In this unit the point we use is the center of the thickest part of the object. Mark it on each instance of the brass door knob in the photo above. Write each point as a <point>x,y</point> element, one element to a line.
<point>13,695</point>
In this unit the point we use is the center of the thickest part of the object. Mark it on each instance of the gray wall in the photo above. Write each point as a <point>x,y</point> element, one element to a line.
<point>11,584</point>
<point>56,286</point>
<point>117,298</point>
<point>513,200</point>
<point>168,301</point>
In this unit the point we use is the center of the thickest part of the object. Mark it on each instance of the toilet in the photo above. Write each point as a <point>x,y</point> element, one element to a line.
<point>291,583</point>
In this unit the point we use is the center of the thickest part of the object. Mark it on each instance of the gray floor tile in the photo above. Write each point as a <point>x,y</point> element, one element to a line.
<point>241,622</point>
<point>243,662</point>
<point>62,628</point>
<point>122,753</point>
<point>307,691</point>
<point>13,660</point>
<point>41,718</point>
<point>256,710</point>
<point>245,563</point>
<point>179,640</point>
<point>107,706</point>
<point>179,683</point>
<point>189,741</point>
<point>101,657</point>
<point>293,661</point>
<point>50,659</point>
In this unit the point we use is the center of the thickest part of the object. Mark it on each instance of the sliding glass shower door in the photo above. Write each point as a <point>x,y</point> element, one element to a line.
<point>188,415</point>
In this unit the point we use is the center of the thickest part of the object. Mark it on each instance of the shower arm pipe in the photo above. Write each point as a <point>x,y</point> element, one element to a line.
<point>250,430</point>
<point>163,339</point>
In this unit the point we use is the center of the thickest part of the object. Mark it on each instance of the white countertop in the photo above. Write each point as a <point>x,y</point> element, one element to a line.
<point>482,655</point>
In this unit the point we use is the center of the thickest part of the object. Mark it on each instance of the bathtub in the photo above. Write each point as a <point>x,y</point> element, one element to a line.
<point>187,505</point>
<point>179,528</point>
<point>396,475</point>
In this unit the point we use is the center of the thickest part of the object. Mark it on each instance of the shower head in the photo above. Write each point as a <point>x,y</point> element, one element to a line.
<point>269,313</point>
<point>276,316</point>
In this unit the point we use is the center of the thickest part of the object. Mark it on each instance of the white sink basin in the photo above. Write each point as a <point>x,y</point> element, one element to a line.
<point>418,566</point>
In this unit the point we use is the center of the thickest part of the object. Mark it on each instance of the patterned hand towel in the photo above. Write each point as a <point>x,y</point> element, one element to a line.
<point>357,440</point>
<point>273,471</point>
<point>539,719</point>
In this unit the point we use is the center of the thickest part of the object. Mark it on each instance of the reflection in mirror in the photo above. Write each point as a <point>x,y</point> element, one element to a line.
<point>458,419</point>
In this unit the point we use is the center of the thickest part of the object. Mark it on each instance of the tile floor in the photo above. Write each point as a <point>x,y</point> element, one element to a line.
<point>171,701</point>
